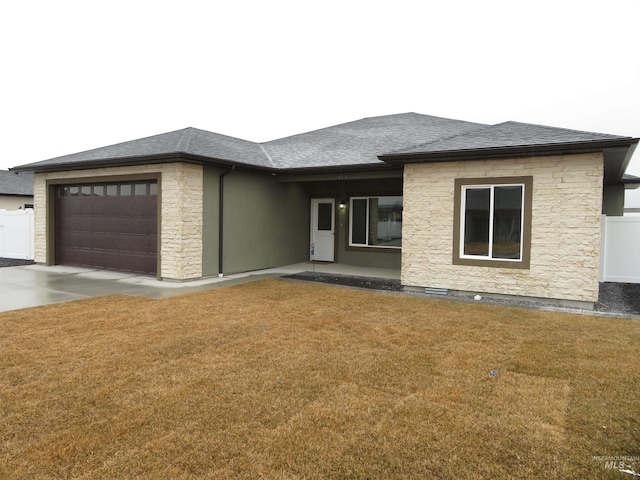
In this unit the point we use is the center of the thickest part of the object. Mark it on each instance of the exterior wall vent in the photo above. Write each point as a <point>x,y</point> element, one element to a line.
<point>436,291</point>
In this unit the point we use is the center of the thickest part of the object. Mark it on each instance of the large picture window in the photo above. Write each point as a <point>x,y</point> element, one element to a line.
<point>375,222</point>
<point>492,222</point>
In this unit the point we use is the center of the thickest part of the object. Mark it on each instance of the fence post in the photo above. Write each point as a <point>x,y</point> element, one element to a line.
<point>603,247</point>
<point>31,240</point>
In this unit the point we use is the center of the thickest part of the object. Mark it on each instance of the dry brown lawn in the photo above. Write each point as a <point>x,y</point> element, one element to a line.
<point>286,380</point>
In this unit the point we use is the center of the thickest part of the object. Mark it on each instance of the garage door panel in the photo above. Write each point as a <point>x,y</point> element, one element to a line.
<point>104,242</point>
<point>126,208</point>
<point>137,263</point>
<point>128,243</point>
<point>71,206</point>
<point>112,207</point>
<point>144,207</point>
<point>85,224</point>
<point>99,207</point>
<point>112,224</point>
<point>98,225</point>
<point>73,239</point>
<point>85,240</point>
<point>108,226</point>
<point>144,226</point>
<point>126,225</point>
<point>85,207</point>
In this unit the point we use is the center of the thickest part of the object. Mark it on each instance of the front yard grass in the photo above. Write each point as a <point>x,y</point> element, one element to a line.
<point>285,380</point>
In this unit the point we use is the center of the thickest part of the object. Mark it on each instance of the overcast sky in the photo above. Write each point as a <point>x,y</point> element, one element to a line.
<point>78,75</point>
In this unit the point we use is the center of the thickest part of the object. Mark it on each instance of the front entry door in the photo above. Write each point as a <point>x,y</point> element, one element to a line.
<point>322,229</point>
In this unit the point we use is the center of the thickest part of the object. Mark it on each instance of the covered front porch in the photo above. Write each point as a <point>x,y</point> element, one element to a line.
<point>355,220</point>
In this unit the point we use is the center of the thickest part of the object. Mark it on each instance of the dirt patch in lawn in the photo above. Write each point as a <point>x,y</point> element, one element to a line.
<point>292,380</point>
<point>387,284</point>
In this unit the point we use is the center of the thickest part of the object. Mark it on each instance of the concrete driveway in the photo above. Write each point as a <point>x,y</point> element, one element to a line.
<point>28,286</point>
<point>36,285</point>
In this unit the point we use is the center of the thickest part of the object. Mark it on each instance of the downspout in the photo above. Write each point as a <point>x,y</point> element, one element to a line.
<point>221,219</point>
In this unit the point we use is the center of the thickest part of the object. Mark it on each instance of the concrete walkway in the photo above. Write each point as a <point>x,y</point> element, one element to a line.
<point>36,285</point>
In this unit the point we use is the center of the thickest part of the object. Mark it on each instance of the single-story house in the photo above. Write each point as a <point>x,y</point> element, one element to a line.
<point>16,190</point>
<point>511,209</point>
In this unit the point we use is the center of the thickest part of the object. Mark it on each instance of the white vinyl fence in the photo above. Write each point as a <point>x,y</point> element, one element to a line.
<point>620,253</point>
<point>16,234</point>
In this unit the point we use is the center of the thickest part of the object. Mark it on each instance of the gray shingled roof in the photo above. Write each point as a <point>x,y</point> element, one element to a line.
<point>190,141</point>
<point>16,184</point>
<point>360,142</point>
<point>349,144</point>
<point>508,134</point>
<point>369,142</point>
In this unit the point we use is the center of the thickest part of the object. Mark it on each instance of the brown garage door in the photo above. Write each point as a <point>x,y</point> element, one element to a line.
<point>112,226</point>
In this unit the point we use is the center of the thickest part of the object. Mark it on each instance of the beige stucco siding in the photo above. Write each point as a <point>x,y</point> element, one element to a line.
<point>14,202</point>
<point>180,213</point>
<point>566,221</point>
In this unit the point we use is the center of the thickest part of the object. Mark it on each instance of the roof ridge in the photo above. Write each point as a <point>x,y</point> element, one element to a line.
<point>271,161</point>
<point>185,138</point>
<point>480,126</point>
<point>355,121</point>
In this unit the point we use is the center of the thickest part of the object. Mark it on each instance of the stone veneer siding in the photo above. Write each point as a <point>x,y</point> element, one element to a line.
<point>566,223</point>
<point>180,216</point>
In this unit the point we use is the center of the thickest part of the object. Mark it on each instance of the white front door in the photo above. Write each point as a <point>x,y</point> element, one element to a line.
<point>322,229</point>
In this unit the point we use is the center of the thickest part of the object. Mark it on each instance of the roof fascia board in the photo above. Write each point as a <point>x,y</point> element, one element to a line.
<point>507,152</point>
<point>200,160</point>
<point>341,175</point>
<point>144,160</point>
<point>616,161</point>
<point>627,160</point>
<point>383,166</point>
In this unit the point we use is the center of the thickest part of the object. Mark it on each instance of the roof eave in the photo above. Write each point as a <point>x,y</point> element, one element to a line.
<point>5,194</point>
<point>141,160</point>
<point>519,151</point>
<point>197,159</point>
<point>338,168</point>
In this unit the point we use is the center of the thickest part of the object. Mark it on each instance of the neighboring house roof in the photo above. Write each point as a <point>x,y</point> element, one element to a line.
<point>626,178</point>
<point>16,184</point>
<point>377,142</point>
<point>630,182</point>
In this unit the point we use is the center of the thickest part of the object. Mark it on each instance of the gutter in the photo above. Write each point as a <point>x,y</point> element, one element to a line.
<point>221,219</point>
<point>195,159</point>
<point>506,152</point>
<point>171,157</point>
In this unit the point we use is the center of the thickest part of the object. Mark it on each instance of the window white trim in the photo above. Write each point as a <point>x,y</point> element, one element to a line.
<point>463,212</point>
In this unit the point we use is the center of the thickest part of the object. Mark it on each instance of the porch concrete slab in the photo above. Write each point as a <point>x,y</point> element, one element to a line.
<point>35,285</point>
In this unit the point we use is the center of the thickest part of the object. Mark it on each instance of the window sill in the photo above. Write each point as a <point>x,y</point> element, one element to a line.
<point>354,248</point>
<point>470,262</point>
